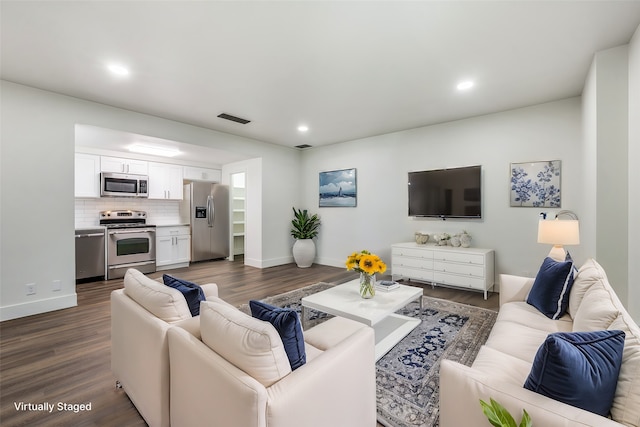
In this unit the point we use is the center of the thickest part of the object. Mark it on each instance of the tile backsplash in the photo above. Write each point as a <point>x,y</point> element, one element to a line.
<point>159,212</point>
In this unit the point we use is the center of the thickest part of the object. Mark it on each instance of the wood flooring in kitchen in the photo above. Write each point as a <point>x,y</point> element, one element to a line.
<point>64,356</point>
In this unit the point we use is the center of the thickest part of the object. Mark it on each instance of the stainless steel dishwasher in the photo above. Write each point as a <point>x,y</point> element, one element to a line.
<point>90,253</point>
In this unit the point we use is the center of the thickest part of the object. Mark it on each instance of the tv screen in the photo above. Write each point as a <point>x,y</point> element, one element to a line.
<point>446,193</point>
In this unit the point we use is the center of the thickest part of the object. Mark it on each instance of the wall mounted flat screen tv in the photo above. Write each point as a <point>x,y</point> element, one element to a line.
<point>446,193</point>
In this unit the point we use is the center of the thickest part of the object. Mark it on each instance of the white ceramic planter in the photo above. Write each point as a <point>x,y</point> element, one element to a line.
<point>304,252</point>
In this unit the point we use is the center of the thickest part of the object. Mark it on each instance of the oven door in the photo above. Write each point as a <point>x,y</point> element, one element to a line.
<point>130,246</point>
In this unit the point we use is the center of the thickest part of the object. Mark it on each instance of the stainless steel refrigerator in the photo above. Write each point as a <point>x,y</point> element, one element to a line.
<point>207,206</point>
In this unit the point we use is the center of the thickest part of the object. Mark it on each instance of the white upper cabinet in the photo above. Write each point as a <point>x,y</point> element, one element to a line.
<point>193,173</point>
<point>122,165</point>
<point>165,181</point>
<point>87,175</point>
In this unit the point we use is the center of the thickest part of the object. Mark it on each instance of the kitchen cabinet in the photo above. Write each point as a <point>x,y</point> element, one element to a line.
<point>193,173</point>
<point>467,268</point>
<point>165,181</point>
<point>87,175</point>
<point>122,165</point>
<point>173,247</point>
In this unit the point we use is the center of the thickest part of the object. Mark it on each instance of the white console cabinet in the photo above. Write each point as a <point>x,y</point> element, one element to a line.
<point>470,268</point>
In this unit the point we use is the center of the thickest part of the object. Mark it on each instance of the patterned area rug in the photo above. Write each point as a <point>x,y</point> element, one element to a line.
<point>407,377</point>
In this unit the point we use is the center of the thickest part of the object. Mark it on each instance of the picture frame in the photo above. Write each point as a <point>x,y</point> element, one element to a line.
<point>338,188</point>
<point>535,184</point>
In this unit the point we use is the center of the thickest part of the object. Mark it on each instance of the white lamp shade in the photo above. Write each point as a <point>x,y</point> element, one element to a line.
<point>559,232</point>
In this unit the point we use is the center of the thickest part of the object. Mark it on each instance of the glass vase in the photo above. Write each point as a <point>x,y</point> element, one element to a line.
<point>367,285</point>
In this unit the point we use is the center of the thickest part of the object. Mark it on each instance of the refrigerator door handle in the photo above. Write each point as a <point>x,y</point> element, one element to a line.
<point>210,211</point>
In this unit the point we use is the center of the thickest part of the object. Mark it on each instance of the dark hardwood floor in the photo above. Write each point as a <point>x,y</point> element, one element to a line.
<point>64,356</point>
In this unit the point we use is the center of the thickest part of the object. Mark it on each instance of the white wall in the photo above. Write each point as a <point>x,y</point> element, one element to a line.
<point>37,182</point>
<point>634,176</point>
<point>608,104</point>
<point>543,132</point>
<point>612,132</point>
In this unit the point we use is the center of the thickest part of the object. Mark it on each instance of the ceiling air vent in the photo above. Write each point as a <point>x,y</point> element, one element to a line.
<point>303,146</point>
<point>233,118</point>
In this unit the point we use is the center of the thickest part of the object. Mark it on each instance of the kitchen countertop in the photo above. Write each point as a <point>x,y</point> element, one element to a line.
<point>175,224</point>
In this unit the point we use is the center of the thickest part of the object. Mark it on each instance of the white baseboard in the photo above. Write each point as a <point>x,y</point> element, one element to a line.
<point>39,306</point>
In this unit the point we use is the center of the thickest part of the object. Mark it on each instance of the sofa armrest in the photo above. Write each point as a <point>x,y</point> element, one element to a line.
<point>140,357</point>
<point>462,387</point>
<point>514,288</point>
<point>343,375</point>
<point>210,290</point>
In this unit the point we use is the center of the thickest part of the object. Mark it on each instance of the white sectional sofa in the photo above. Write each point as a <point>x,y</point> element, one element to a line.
<point>504,363</point>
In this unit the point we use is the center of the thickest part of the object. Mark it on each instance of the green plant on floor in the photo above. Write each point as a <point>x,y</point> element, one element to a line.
<point>303,225</point>
<point>499,417</point>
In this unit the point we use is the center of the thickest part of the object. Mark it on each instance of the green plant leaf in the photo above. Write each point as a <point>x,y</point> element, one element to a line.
<point>497,415</point>
<point>526,419</point>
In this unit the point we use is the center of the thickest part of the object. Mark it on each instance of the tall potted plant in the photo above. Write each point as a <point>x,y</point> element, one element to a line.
<point>304,228</point>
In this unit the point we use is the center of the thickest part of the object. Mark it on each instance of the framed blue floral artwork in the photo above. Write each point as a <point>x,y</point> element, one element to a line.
<point>338,188</point>
<point>535,184</point>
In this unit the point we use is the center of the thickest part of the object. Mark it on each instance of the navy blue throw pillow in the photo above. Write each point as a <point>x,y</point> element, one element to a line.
<point>193,293</point>
<point>288,326</point>
<point>579,368</point>
<point>550,290</point>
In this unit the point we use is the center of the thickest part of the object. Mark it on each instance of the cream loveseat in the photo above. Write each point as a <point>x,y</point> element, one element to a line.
<point>141,314</point>
<point>214,369</point>
<point>237,374</point>
<point>505,361</point>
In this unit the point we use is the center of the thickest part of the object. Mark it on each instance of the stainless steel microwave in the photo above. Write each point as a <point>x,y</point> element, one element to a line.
<point>123,185</point>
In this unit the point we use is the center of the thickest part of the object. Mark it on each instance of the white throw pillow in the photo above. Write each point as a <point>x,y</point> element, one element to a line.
<point>596,312</point>
<point>162,301</point>
<point>626,403</point>
<point>252,345</point>
<point>590,273</point>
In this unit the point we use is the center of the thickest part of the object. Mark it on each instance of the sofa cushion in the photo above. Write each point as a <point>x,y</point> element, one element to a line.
<point>287,324</point>
<point>250,344</point>
<point>527,315</point>
<point>193,293</point>
<point>516,340</point>
<point>550,291</point>
<point>626,403</point>
<point>579,368</point>
<point>596,312</point>
<point>589,274</point>
<point>162,301</point>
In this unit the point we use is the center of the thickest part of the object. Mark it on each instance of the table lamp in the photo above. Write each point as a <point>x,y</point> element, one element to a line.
<point>559,232</point>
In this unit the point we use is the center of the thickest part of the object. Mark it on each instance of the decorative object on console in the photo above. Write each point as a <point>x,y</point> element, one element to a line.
<point>338,188</point>
<point>558,233</point>
<point>304,228</point>
<point>442,239</point>
<point>535,184</point>
<point>367,264</point>
<point>421,237</point>
<point>465,239</point>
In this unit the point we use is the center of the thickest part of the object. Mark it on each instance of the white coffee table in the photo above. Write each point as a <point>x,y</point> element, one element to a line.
<point>378,312</point>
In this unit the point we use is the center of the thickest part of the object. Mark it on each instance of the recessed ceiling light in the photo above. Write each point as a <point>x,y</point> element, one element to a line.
<point>467,84</point>
<point>303,128</point>
<point>154,150</point>
<point>118,69</point>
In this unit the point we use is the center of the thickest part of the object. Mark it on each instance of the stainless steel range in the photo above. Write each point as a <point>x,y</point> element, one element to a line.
<point>131,242</point>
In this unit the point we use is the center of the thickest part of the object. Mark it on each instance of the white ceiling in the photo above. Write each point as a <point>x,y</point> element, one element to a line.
<point>347,69</point>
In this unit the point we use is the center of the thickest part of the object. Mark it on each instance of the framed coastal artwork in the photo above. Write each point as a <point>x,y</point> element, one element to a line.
<point>338,188</point>
<point>535,184</point>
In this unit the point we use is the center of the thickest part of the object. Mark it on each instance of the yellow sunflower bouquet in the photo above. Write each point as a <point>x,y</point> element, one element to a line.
<point>367,264</point>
